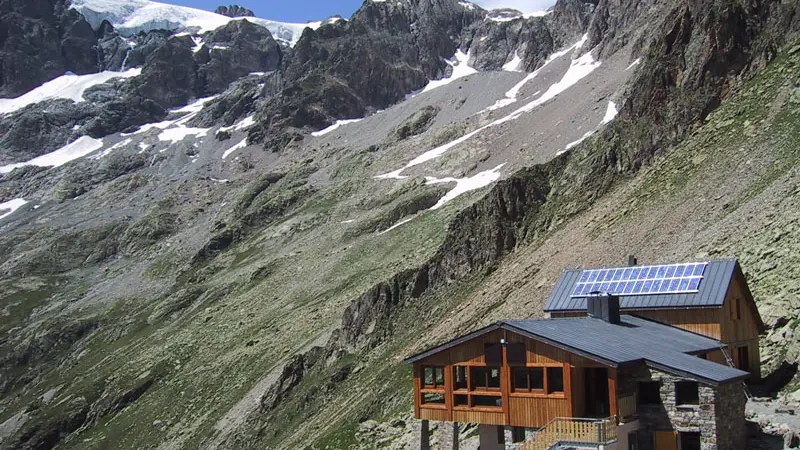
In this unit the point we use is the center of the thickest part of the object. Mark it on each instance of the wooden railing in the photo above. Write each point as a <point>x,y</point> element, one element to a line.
<point>627,407</point>
<point>573,431</point>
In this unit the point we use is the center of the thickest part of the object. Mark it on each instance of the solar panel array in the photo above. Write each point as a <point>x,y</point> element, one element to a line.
<point>642,280</point>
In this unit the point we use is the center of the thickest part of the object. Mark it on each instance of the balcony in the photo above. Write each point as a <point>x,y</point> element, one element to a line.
<point>565,430</point>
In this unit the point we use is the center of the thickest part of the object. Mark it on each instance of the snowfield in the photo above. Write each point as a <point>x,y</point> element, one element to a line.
<point>10,207</point>
<point>68,86</point>
<point>130,17</point>
<point>83,146</point>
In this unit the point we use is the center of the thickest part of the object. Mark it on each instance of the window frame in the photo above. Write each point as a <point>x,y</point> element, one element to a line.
<point>473,378</point>
<point>435,384</point>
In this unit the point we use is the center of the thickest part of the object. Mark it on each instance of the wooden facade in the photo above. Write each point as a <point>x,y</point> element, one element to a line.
<point>522,383</point>
<point>736,324</point>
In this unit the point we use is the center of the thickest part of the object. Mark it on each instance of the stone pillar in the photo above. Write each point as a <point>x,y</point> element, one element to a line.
<point>420,435</point>
<point>492,437</point>
<point>447,435</point>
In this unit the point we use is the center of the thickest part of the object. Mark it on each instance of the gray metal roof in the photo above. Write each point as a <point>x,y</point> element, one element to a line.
<point>634,340</point>
<point>712,292</point>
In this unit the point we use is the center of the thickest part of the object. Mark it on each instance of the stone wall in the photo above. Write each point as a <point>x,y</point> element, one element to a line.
<point>718,416</point>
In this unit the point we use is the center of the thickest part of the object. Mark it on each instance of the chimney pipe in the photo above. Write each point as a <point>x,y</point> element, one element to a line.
<point>631,260</point>
<point>604,306</point>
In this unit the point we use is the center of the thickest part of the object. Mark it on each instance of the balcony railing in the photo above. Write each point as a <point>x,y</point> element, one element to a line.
<point>571,431</point>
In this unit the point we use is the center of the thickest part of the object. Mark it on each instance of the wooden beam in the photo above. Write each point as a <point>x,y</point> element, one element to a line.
<point>505,386</point>
<point>568,386</point>
<point>612,391</point>
<point>417,390</point>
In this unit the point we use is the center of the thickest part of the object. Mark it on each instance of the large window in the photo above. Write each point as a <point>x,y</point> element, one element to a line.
<point>515,354</point>
<point>649,393</point>
<point>493,353</point>
<point>487,401</point>
<point>528,379</point>
<point>486,378</point>
<point>687,393</point>
<point>433,377</point>
<point>540,380</point>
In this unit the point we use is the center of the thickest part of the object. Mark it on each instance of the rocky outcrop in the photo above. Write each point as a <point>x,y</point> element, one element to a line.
<point>235,50</point>
<point>234,11</point>
<point>41,40</point>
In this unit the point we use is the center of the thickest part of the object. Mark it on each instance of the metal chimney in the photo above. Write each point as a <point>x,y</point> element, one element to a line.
<point>604,306</point>
<point>631,260</point>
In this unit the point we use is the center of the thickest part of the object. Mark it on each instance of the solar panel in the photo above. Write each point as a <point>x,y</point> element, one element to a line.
<point>642,280</point>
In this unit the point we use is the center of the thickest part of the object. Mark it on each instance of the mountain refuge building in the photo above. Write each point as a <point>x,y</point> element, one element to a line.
<point>629,358</point>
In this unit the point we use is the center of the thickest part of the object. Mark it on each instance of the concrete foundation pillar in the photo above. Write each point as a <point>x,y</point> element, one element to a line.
<point>420,435</point>
<point>447,435</point>
<point>492,437</point>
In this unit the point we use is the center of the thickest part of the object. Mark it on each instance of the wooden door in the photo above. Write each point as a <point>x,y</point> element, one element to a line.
<point>666,440</point>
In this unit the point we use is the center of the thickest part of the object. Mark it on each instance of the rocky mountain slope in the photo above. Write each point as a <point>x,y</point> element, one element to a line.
<point>216,235</point>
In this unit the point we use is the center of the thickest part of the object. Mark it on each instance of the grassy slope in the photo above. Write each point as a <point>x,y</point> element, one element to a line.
<point>730,190</point>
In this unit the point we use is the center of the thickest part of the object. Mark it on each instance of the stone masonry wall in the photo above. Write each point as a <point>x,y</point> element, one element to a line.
<point>719,416</point>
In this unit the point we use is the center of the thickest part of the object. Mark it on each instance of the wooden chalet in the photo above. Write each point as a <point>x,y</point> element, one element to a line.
<point>598,379</point>
<point>722,307</point>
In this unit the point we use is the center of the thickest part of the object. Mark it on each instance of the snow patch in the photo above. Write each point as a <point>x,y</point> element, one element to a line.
<point>10,207</point>
<point>634,64</point>
<point>464,185</point>
<point>244,123</point>
<point>238,146</point>
<point>461,68</point>
<point>569,146</point>
<point>119,144</point>
<point>514,64</point>
<point>177,134</point>
<point>611,113</point>
<point>68,86</point>
<point>333,127</point>
<point>398,224</point>
<point>70,152</point>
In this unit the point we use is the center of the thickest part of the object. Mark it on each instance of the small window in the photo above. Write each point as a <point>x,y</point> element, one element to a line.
<point>433,377</point>
<point>517,434</point>
<point>690,440</point>
<point>461,400</point>
<point>460,377</point>
<point>493,354</point>
<point>487,401</point>
<point>516,354</point>
<point>736,309</point>
<point>430,398</point>
<point>649,393</point>
<point>555,379</point>
<point>687,393</point>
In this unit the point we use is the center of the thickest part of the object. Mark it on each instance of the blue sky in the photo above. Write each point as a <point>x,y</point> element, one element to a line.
<point>306,10</point>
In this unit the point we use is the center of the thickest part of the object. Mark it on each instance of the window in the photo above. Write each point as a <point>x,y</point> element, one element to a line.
<point>516,355</point>
<point>641,440</point>
<point>649,393</point>
<point>555,379</point>
<point>687,393</point>
<point>690,440</point>
<point>485,378</point>
<point>487,401</point>
<point>493,354</point>
<point>517,434</point>
<point>461,400</point>
<point>736,309</point>
<point>460,377</point>
<point>433,377</point>
<point>743,355</point>
<point>528,379</point>
<point>432,398</point>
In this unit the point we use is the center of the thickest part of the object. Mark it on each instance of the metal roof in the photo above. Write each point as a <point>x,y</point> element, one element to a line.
<point>712,292</point>
<point>634,340</point>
